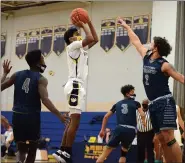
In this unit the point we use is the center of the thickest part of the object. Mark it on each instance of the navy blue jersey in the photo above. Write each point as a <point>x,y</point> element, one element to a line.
<point>126,111</point>
<point>26,95</point>
<point>155,81</point>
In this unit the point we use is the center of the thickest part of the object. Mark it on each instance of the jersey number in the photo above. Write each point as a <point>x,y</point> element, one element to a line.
<point>25,85</point>
<point>146,79</point>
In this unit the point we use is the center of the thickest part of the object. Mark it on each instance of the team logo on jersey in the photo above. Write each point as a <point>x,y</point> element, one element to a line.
<point>125,108</point>
<point>73,100</point>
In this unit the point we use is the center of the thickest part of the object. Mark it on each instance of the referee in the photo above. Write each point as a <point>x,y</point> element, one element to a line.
<point>145,135</point>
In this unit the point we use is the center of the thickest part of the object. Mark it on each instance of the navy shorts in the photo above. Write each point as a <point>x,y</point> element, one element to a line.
<point>26,127</point>
<point>122,135</point>
<point>163,114</point>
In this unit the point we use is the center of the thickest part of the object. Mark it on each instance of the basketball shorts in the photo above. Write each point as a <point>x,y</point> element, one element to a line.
<point>122,135</point>
<point>75,95</point>
<point>163,113</point>
<point>26,127</point>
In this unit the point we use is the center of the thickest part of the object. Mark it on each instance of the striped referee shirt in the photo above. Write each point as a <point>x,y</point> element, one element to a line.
<point>140,126</point>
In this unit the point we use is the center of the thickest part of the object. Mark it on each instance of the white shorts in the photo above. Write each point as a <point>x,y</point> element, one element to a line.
<point>75,95</point>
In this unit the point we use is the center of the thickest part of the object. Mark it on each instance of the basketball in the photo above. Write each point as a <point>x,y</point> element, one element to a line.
<point>81,14</point>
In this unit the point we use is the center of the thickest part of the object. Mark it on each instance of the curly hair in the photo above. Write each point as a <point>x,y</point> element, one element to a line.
<point>162,45</point>
<point>126,89</point>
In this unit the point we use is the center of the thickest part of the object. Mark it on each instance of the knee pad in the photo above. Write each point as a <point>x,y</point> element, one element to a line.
<point>170,143</point>
<point>123,153</point>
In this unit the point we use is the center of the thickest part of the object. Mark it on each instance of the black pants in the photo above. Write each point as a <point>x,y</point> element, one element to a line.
<point>145,141</point>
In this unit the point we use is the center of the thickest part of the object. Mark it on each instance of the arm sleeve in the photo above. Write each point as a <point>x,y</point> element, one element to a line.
<point>138,105</point>
<point>113,109</point>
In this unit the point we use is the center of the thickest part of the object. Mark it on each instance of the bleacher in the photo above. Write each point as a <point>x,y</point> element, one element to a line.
<point>52,128</point>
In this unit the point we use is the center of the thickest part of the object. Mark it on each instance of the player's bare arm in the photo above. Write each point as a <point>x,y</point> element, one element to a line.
<point>133,38</point>
<point>43,82</point>
<point>89,39</point>
<point>104,123</point>
<point>94,34</point>
<point>6,69</point>
<point>8,83</point>
<point>142,114</point>
<point>171,71</point>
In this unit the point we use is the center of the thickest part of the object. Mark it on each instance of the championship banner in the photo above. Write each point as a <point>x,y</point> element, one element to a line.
<point>33,39</point>
<point>3,43</point>
<point>108,28</point>
<point>46,40</point>
<point>21,43</point>
<point>94,150</point>
<point>141,27</point>
<point>59,43</point>
<point>122,39</point>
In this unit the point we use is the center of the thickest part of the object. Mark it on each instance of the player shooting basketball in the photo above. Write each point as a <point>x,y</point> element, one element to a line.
<point>74,89</point>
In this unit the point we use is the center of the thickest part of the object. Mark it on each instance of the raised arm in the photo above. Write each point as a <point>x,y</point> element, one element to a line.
<point>133,38</point>
<point>46,101</point>
<point>171,71</point>
<point>6,69</point>
<point>8,83</point>
<point>94,34</point>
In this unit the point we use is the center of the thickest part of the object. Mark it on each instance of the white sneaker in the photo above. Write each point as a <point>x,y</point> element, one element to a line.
<point>61,156</point>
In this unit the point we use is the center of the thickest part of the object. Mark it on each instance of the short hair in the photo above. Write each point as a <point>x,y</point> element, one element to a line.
<point>126,89</point>
<point>162,45</point>
<point>33,57</point>
<point>69,33</point>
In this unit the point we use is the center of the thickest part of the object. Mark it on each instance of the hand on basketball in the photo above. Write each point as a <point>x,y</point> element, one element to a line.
<point>77,22</point>
<point>121,22</point>
<point>102,133</point>
<point>6,66</point>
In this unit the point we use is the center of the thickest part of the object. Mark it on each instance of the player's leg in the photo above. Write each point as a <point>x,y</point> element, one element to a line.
<point>33,135</point>
<point>127,136</point>
<point>104,155</point>
<point>113,143</point>
<point>19,136</point>
<point>31,152</point>
<point>166,116</point>
<point>64,138</point>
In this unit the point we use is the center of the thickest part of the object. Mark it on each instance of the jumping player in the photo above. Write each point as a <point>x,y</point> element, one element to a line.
<point>125,131</point>
<point>30,88</point>
<point>156,73</point>
<point>74,89</point>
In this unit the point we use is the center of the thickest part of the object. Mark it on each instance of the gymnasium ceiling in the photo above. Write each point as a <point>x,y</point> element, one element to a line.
<point>11,6</point>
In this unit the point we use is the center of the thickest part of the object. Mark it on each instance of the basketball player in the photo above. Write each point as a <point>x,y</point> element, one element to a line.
<point>126,124</point>
<point>74,89</point>
<point>156,73</point>
<point>6,69</point>
<point>30,88</point>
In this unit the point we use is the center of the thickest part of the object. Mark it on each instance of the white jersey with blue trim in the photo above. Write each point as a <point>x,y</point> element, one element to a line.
<point>77,60</point>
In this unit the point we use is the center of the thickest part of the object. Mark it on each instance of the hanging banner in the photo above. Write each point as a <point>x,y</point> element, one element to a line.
<point>141,28</point>
<point>21,43</point>
<point>46,40</point>
<point>122,39</point>
<point>108,28</point>
<point>33,39</point>
<point>3,43</point>
<point>150,28</point>
<point>59,43</point>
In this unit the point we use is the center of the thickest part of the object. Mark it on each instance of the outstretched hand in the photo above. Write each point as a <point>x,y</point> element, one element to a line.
<point>65,118</point>
<point>77,22</point>
<point>102,133</point>
<point>6,66</point>
<point>122,22</point>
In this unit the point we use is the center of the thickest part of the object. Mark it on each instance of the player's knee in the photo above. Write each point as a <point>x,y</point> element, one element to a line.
<point>167,135</point>
<point>124,152</point>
